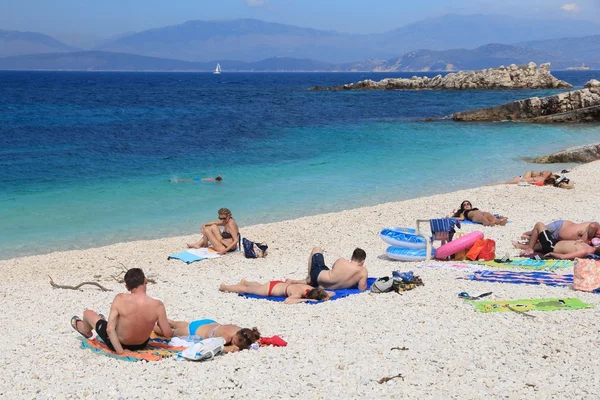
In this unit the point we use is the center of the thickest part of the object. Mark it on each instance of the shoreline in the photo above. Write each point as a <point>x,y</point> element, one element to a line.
<point>185,238</point>
<point>336,349</point>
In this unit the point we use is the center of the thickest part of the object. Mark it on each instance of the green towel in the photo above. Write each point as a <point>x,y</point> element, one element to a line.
<point>525,305</point>
<point>529,263</point>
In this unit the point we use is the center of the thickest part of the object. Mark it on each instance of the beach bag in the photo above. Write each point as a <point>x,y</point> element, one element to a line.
<point>461,255</point>
<point>473,252</point>
<point>404,281</point>
<point>483,249</point>
<point>254,250</point>
<point>206,349</point>
<point>382,285</point>
<point>586,274</point>
<point>488,252</point>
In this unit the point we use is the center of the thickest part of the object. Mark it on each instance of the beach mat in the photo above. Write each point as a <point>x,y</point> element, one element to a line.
<point>530,278</point>
<point>192,255</point>
<point>528,263</point>
<point>525,305</point>
<point>156,350</point>
<point>339,294</point>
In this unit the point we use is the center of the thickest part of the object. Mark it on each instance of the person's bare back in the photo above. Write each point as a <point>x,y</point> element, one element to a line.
<point>344,274</point>
<point>136,316</point>
<point>577,231</point>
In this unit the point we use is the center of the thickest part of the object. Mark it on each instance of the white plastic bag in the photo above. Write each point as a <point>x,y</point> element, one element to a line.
<point>206,349</point>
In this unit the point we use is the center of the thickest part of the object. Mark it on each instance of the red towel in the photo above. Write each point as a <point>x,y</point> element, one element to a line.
<point>273,341</point>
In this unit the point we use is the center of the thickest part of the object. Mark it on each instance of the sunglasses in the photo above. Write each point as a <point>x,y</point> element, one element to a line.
<point>222,218</point>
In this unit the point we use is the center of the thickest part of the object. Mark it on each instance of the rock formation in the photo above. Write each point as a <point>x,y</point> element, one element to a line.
<point>575,106</point>
<point>580,154</point>
<point>512,77</point>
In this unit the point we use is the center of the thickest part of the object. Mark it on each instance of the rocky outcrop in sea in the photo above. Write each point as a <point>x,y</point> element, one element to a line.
<point>580,154</point>
<point>575,106</point>
<point>511,77</point>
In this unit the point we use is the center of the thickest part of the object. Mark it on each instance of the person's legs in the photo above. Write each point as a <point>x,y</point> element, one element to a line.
<point>90,318</point>
<point>244,286</point>
<point>213,234</point>
<point>314,251</point>
<point>203,242</point>
<point>481,218</point>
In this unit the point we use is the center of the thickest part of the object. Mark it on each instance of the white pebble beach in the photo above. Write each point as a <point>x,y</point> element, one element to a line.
<point>437,345</point>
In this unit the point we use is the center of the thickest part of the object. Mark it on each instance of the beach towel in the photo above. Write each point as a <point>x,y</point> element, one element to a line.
<point>191,255</point>
<point>443,228</point>
<point>339,294</point>
<point>528,263</point>
<point>156,350</point>
<point>531,278</point>
<point>525,305</point>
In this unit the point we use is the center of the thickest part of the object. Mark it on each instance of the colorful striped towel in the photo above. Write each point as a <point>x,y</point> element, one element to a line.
<point>525,305</point>
<point>531,278</point>
<point>443,228</point>
<point>156,350</point>
<point>528,263</point>
<point>340,293</point>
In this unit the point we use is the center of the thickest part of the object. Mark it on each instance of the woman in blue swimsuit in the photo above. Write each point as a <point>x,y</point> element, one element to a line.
<point>236,338</point>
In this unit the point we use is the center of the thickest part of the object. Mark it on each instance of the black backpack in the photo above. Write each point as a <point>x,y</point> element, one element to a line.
<point>254,250</point>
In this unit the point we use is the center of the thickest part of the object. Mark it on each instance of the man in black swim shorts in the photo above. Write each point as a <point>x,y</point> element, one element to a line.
<point>342,275</point>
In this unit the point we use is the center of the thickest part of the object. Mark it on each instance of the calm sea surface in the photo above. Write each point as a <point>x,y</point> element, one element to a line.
<point>87,158</point>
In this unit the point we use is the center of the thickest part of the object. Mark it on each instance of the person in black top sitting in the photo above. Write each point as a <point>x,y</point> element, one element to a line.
<point>224,241</point>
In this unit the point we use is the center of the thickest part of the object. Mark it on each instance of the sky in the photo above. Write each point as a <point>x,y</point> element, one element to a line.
<point>107,18</point>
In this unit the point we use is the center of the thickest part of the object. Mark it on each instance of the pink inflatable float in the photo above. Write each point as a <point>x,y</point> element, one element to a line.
<point>453,247</point>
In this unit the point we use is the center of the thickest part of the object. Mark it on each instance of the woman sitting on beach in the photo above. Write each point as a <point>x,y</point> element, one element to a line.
<point>236,338</point>
<point>223,242</point>
<point>294,292</point>
<point>466,211</point>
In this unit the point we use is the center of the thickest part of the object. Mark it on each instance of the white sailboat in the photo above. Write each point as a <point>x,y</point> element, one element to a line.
<point>218,69</point>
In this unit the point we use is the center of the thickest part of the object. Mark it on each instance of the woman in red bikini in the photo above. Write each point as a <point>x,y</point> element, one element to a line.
<point>294,292</point>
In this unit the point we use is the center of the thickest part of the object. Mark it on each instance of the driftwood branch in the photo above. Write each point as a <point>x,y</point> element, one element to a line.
<point>389,378</point>
<point>77,287</point>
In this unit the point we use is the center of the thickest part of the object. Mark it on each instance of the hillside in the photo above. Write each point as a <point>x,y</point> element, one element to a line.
<point>581,49</point>
<point>16,43</point>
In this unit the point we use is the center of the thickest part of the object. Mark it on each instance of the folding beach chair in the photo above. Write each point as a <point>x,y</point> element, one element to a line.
<point>442,229</point>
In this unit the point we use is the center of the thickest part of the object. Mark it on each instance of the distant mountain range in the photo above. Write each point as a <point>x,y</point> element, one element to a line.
<point>16,43</point>
<point>264,46</point>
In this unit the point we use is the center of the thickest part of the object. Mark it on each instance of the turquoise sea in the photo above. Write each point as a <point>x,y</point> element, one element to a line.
<point>89,158</point>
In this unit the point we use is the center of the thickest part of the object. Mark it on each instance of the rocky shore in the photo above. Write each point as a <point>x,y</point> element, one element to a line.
<point>575,106</point>
<point>511,77</point>
<point>579,154</point>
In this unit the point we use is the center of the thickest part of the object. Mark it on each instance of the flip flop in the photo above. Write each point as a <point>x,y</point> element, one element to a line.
<point>74,320</point>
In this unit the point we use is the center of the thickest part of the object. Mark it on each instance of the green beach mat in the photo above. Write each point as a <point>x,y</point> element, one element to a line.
<point>525,305</point>
<point>528,263</point>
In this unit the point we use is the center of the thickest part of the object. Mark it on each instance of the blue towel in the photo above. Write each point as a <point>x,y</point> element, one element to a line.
<point>444,225</point>
<point>340,293</point>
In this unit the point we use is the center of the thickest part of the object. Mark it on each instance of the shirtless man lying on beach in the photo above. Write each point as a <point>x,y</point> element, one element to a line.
<point>131,320</point>
<point>342,275</point>
<point>557,231</point>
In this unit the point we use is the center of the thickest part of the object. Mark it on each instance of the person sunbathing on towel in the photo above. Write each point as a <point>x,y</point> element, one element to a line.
<point>342,275</point>
<point>466,211</point>
<point>236,338</point>
<point>294,293</point>
<point>565,249</point>
<point>223,242</point>
<point>131,320</point>
<point>557,231</point>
